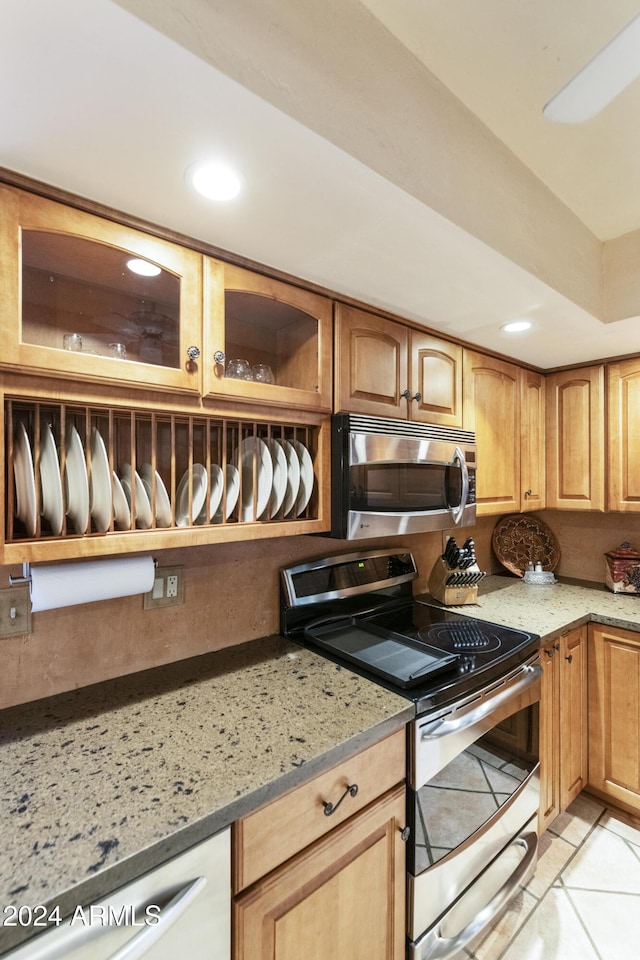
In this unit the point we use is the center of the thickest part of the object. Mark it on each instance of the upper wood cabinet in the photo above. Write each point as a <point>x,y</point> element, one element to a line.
<point>384,368</point>
<point>532,441</point>
<point>270,323</point>
<point>492,409</point>
<point>575,437</point>
<point>624,435</point>
<point>69,272</point>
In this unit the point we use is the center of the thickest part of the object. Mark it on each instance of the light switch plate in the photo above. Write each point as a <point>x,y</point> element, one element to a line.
<point>15,612</point>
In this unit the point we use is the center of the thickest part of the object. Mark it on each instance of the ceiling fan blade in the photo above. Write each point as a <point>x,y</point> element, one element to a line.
<point>600,81</point>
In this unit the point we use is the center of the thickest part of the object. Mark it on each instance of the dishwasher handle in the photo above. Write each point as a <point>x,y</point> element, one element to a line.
<point>141,944</point>
<point>443,727</point>
<point>69,939</point>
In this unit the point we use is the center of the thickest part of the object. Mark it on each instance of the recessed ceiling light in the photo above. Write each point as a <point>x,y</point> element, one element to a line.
<point>516,326</point>
<point>215,181</point>
<point>143,268</point>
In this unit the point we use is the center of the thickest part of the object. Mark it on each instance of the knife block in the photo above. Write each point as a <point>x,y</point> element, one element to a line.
<point>451,595</point>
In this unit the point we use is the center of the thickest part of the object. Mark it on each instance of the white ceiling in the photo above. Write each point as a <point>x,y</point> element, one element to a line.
<point>95,101</point>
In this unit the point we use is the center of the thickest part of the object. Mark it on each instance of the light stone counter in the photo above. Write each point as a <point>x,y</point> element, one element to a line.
<point>552,609</point>
<point>102,784</point>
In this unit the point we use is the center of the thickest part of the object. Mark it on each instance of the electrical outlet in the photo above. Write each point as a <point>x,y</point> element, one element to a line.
<point>167,590</point>
<point>15,611</point>
<point>172,586</point>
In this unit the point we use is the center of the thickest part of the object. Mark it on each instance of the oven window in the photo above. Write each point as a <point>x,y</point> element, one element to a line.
<point>473,786</point>
<point>404,487</point>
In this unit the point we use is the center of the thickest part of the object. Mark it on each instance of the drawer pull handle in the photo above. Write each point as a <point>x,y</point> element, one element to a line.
<point>330,808</point>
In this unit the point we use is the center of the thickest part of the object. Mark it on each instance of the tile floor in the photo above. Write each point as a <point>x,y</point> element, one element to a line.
<point>583,902</point>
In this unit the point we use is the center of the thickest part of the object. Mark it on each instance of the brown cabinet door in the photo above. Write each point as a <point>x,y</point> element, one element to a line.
<point>614,714</point>
<point>282,331</point>
<point>342,897</point>
<point>573,715</point>
<point>532,445</point>
<point>492,409</point>
<point>575,439</point>
<point>549,746</point>
<point>435,373</point>
<point>371,364</point>
<point>624,436</point>
<point>67,272</point>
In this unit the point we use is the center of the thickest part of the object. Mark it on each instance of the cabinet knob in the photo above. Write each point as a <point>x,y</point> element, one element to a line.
<point>219,356</point>
<point>528,493</point>
<point>416,396</point>
<point>193,353</point>
<point>405,833</point>
<point>569,658</point>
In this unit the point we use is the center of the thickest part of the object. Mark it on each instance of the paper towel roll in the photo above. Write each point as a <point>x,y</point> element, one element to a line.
<point>67,584</point>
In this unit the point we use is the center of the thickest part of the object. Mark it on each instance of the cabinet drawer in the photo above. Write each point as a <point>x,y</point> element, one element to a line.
<point>277,831</point>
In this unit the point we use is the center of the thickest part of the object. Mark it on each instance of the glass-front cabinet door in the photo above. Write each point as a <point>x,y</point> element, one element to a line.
<point>87,298</point>
<point>265,341</point>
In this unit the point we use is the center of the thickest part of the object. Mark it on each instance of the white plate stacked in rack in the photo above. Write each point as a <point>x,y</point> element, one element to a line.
<point>276,477</point>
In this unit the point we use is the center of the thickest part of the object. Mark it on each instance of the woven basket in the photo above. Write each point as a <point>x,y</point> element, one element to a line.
<point>519,540</point>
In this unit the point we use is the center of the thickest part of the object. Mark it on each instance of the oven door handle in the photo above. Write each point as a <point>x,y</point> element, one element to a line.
<point>443,948</point>
<point>456,512</point>
<point>443,727</point>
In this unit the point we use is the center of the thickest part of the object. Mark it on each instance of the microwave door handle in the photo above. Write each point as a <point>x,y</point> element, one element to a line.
<point>456,512</point>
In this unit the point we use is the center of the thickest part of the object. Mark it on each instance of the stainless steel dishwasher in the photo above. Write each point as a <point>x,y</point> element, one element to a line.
<point>182,908</point>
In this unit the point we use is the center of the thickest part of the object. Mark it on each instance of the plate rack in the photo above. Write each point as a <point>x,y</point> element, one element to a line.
<point>173,451</point>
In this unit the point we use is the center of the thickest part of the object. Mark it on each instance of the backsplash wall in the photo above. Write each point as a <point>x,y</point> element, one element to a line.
<point>231,596</point>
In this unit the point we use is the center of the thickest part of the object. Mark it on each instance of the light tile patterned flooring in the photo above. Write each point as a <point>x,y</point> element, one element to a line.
<point>583,902</point>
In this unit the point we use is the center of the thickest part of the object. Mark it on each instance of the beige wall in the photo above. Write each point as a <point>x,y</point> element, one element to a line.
<point>232,595</point>
<point>584,538</point>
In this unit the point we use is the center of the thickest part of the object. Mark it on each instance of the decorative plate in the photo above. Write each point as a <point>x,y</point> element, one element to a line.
<point>520,539</point>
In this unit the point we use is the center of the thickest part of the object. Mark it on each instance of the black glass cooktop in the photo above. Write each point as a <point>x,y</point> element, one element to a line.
<point>428,654</point>
<point>359,611</point>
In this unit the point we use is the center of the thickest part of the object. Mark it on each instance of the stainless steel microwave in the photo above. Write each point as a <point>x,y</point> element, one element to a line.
<point>390,477</point>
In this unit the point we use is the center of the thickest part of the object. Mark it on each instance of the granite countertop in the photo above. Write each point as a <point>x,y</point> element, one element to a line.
<point>102,784</point>
<point>549,610</point>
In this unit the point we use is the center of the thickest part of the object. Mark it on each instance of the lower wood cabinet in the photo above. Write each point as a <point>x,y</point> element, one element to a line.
<point>563,724</point>
<point>321,871</point>
<point>343,897</point>
<point>614,715</point>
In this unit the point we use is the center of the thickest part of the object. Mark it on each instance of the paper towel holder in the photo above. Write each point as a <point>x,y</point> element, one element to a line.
<point>26,575</point>
<point>24,579</point>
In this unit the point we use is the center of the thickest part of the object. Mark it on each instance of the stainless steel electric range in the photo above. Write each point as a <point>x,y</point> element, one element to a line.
<point>473,776</point>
